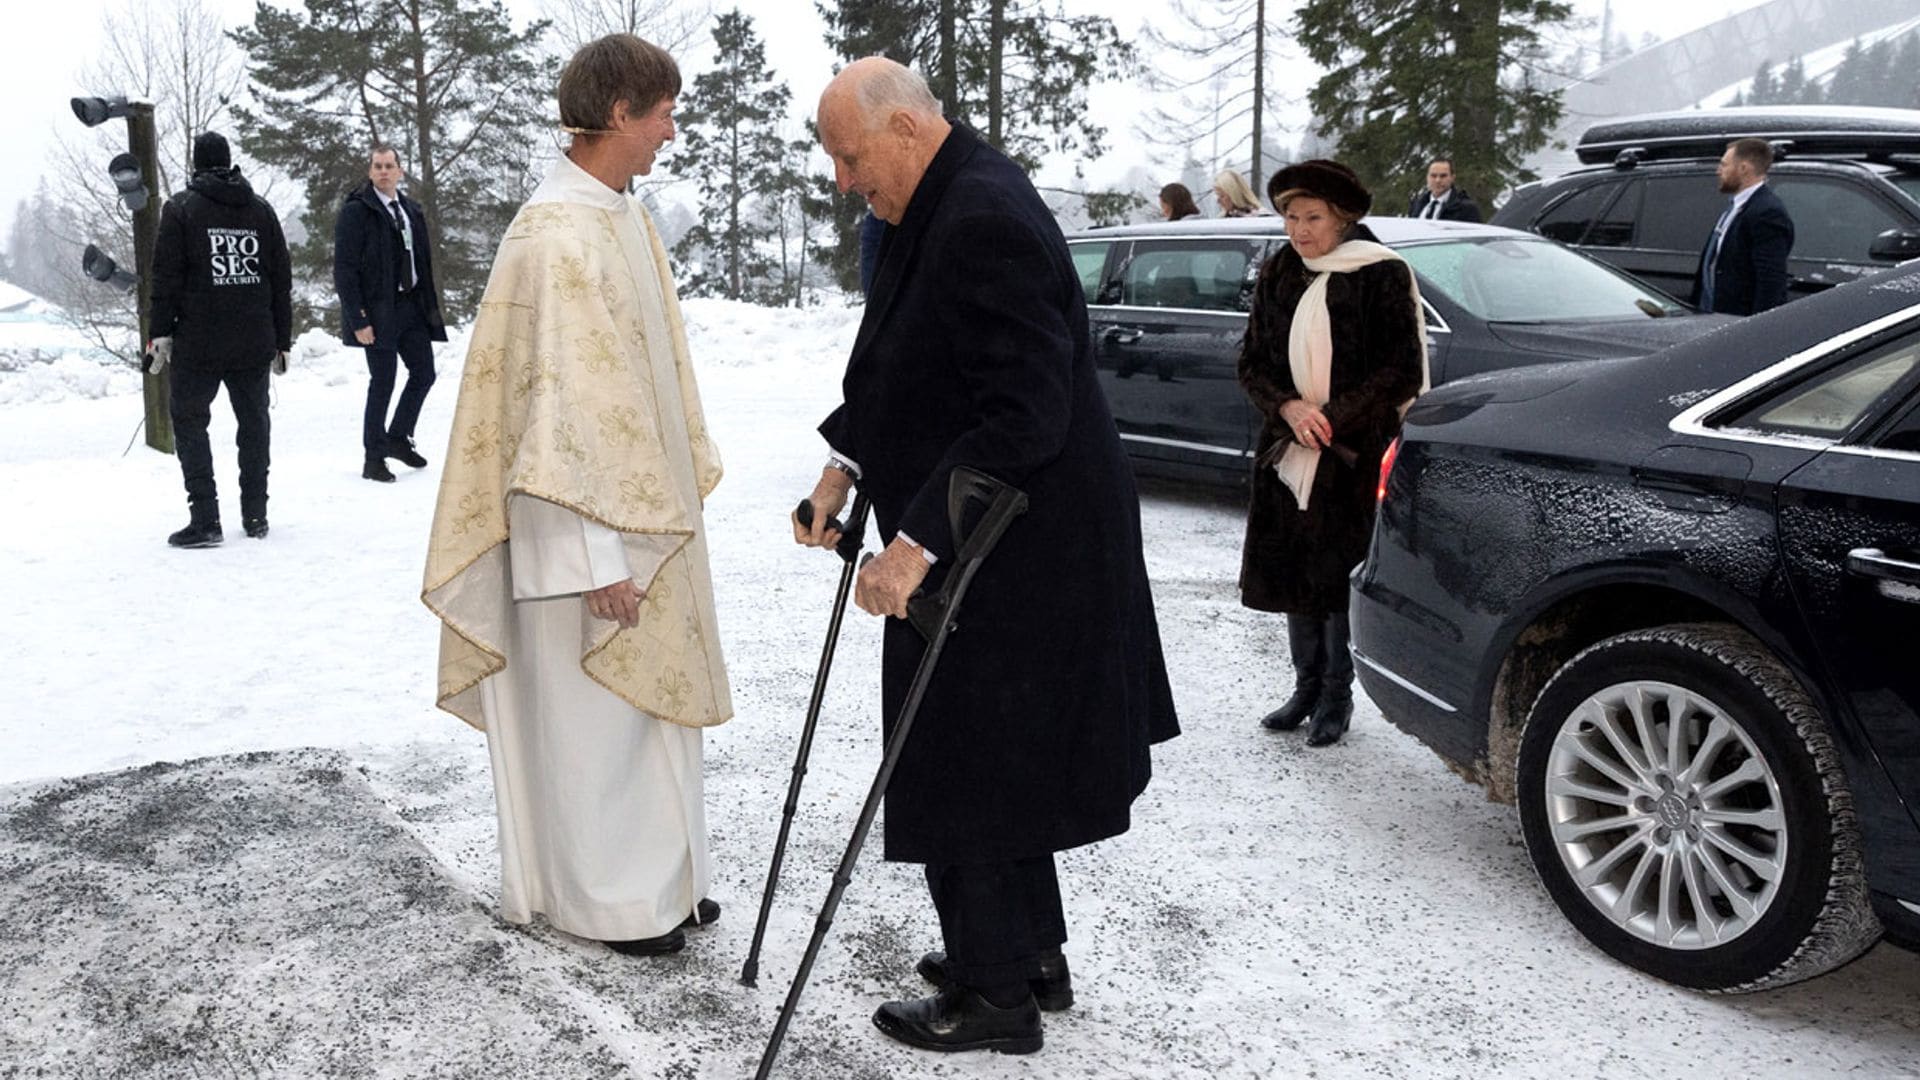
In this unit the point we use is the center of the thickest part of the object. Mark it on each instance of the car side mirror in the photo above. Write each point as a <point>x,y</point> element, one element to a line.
<point>1895,245</point>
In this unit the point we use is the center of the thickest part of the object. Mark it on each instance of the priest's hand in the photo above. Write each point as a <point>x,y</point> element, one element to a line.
<point>829,498</point>
<point>886,580</point>
<point>618,602</point>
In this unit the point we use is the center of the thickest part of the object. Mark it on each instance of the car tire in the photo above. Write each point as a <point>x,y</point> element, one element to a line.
<point>1725,860</point>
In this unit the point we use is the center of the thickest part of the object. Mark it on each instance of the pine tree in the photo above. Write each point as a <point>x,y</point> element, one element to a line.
<point>730,144</point>
<point>451,83</point>
<point>1763,91</point>
<point>1793,82</point>
<point>1409,80</point>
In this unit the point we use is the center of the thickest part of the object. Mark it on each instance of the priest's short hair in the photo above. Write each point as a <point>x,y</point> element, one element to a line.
<point>616,68</point>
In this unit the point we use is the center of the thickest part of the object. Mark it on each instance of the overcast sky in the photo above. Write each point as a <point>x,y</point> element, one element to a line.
<point>45,45</point>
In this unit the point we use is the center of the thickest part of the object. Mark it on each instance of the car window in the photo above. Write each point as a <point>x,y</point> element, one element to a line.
<point>1202,275</point>
<point>1907,182</point>
<point>1829,403</point>
<point>1679,212</point>
<point>1567,222</point>
<point>1832,219</point>
<point>1531,281</point>
<point>1904,433</point>
<point>1613,227</point>
<point>1089,259</point>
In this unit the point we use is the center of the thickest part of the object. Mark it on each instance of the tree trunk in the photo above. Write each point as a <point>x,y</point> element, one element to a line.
<point>996,55</point>
<point>733,205</point>
<point>427,192</point>
<point>1476,102</point>
<point>1259,88</point>
<point>949,78</point>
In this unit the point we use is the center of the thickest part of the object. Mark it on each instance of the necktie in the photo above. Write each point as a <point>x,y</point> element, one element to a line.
<point>406,246</point>
<point>1433,208</point>
<point>1713,256</point>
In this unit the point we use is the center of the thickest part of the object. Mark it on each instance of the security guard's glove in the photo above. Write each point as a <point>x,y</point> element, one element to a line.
<point>280,362</point>
<point>159,352</point>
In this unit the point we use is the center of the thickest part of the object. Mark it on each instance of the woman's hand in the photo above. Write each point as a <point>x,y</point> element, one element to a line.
<point>1310,426</point>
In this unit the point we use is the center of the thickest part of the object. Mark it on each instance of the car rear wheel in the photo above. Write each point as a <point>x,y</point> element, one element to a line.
<point>1683,804</point>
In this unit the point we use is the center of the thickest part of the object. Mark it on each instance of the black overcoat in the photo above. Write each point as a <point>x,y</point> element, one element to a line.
<point>1297,561</point>
<point>367,250</point>
<point>974,350</point>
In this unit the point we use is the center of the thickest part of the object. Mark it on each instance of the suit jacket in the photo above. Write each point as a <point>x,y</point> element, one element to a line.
<point>1750,274</point>
<point>367,251</point>
<point>1458,207</point>
<point>974,350</point>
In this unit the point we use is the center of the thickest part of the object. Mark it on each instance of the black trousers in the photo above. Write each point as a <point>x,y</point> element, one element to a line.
<point>416,351</point>
<point>998,919</point>
<point>249,392</point>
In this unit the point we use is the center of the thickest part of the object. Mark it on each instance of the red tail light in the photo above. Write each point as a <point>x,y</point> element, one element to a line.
<point>1386,470</point>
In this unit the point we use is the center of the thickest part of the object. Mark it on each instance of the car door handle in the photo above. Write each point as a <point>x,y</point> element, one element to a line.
<point>1875,563</point>
<point>1124,335</point>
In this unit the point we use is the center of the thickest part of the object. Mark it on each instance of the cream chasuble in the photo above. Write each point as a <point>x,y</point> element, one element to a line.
<point>579,457</point>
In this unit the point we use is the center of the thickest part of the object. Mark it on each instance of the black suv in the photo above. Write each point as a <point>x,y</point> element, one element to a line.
<point>1850,177</point>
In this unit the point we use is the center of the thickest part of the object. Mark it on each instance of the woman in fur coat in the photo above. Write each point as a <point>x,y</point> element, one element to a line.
<point>1334,351</point>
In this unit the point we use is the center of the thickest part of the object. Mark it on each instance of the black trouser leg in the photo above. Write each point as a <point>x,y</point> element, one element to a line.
<point>191,408</point>
<point>381,364</point>
<point>416,351</point>
<point>250,394</point>
<point>998,919</point>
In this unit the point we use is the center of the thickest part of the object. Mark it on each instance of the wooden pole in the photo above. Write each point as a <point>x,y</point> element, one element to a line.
<point>143,144</point>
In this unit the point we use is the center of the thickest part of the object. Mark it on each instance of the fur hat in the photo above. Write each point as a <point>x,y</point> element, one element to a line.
<point>210,152</point>
<point>1323,179</point>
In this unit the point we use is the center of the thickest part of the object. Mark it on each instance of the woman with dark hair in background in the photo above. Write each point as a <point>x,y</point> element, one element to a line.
<point>1334,352</point>
<point>1176,202</point>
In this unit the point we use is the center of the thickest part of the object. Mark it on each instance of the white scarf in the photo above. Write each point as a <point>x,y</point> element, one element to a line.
<point>1310,351</point>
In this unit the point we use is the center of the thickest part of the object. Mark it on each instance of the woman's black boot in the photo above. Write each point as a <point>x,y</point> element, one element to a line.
<point>1306,642</point>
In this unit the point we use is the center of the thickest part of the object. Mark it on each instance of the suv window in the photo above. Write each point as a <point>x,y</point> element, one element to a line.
<point>1089,259</point>
<point>1680,211</point>
<point>1828,404</point>
<point>1613,227</point>
<point>1832,220</point>
<point>1567,222</point>
<point>1203,275</point>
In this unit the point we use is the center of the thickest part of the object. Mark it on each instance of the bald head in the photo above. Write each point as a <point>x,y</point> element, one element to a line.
<point>881,126</point>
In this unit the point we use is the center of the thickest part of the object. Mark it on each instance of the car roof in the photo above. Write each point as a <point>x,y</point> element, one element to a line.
<point>1391,230</point>
<point>1795,130</point>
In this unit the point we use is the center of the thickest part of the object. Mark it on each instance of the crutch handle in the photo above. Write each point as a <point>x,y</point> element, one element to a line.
<point>853,534</point>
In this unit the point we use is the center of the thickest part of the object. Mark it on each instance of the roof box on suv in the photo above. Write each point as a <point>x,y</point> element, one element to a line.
<point>1850,131</point>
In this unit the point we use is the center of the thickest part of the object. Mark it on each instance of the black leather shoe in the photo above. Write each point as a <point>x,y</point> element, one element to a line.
<point>705,913</point>
<point>1295,710</point>
<point>1330,720</point>
<point>958,1019</point>
<point>670,942</point>
<point>376,469</point>
<point>1052,989</point>
<point>200,534</point>
<point>256,527</point>
<point>402,450</point>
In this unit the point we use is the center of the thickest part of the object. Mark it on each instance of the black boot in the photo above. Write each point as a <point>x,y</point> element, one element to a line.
<point>402,450</point>
<point>705,913</point>
<point>256,527</point>
<point>670,942</point>
<point>376,469</point>
<point>1052,986</point>
<point>1335,711</point>
<point>202,531</point>
<point>1307,644</point>
<point>960,1019</point>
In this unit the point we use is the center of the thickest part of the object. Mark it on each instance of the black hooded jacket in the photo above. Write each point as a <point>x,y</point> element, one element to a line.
<point>222,278</point>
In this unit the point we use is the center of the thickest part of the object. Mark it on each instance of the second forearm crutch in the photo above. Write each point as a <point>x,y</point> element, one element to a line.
<point>934,617</point>
<point>852,536</point>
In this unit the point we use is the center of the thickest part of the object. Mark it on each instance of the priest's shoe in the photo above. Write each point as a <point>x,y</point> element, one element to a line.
<point>1295,710</point>
<point>1052,988</point>
<point>960,1019</point>
<point>402,450</point>
<point>1330,720</point>
<point>670,942</point>
<point>704,913</point>
<point>376,469</point>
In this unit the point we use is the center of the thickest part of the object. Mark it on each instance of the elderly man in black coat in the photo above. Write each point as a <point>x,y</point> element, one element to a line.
<point>1034,734</point>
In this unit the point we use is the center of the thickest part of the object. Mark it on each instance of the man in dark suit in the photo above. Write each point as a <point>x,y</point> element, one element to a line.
<point>1441,199</point>
<point>389,305</point>
<point>1033,736</point>
<point>1743,270</point>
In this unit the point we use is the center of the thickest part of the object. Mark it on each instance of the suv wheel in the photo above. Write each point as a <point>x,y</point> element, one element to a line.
<point>1683,804</point>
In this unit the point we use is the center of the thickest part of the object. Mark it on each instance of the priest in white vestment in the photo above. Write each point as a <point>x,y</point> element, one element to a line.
<point>568,562</point>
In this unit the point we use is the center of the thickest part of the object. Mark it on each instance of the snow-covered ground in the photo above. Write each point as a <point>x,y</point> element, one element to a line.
<point>1275,912</point>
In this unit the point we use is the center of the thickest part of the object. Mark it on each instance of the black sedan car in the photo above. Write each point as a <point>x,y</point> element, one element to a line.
<point>1671,608</point>
<point>1168,304</point>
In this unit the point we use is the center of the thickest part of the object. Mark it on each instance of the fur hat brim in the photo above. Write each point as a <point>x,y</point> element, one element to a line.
<point>1323,179</point>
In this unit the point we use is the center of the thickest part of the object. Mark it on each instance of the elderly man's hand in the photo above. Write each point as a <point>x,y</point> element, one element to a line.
<point>829,498</point>
<point>889,578</point>
<point>618,602</point>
